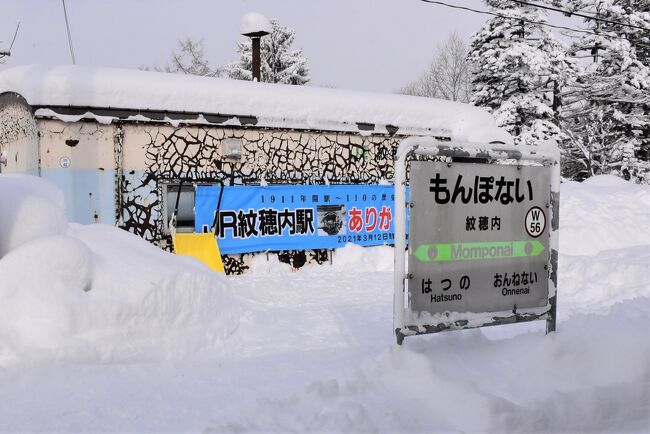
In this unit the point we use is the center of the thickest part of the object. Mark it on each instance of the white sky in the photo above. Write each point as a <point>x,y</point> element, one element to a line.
<point>377,45</point>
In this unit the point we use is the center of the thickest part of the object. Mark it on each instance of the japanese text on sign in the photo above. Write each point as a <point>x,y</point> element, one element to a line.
<point>476,237</point>
<point>484,189</point>
<point>255,218</point>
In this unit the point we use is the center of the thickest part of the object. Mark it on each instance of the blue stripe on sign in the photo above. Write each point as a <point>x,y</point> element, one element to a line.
<point>297,217</point>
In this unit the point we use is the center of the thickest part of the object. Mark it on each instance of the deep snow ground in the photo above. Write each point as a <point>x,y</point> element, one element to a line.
<point>312,351</point>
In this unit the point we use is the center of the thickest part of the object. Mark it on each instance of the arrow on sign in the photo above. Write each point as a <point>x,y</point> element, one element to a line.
<point>445,252</point>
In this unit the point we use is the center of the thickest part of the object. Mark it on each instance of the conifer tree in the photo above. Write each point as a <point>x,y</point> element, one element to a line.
<point>518,69</point>
<point>607,116</point>
<point>279,63</point>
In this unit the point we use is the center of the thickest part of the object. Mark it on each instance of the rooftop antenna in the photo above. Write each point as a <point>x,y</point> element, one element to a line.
<point>67,26</point>
<point>4,53</point>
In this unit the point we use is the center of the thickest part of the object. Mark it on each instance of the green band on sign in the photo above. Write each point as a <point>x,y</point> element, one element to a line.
<point>445,252</point>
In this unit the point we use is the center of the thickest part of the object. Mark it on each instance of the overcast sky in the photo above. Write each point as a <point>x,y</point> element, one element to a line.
<point>376,45</point>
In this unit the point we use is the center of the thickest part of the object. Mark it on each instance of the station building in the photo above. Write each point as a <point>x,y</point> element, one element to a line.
<point>130,148</point>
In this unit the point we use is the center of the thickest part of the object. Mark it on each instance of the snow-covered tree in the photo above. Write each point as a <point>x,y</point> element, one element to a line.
<point>518,69</point>
<point>279,63</point>
<point>607,116</point>
<point>448,74</point>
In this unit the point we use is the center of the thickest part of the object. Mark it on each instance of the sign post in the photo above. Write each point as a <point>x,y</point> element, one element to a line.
<point>482,237</point>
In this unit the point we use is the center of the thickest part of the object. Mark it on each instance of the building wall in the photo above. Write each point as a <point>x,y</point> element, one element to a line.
<point>18,136</point>
<point>115,173</point>
<point>156,154</point>
<point>78,158</point>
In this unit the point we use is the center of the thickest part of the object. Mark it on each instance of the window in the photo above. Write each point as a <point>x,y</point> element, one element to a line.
<point>231,149</point>
<point>181,196</point>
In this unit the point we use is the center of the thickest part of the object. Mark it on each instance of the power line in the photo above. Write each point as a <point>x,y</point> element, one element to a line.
<point>522,19</point>
<point>67,26</point>
<point>8,52</point>
<point>578,14</point>
<point>14,38</point>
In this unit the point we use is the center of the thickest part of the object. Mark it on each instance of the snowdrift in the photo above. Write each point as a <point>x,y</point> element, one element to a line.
<point>593,375</point>
<point>310,351</point>
<point>603,213</point>
<point>72,292</point>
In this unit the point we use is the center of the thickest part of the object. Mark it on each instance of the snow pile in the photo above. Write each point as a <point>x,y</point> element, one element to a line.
<point>603,213</point>
<point>96,292</point>
<point>593,375</point>
<point>363,259</point>
<point>596,283</point>
<point>274,105</point>
<point>464,382</point>
<point>254,22</point>
<point>350,258</point>
<point>313,349</point>
<point>29,209</point>
<point>604,244</point>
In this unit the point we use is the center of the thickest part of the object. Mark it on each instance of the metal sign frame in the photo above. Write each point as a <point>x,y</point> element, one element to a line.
<point>426,146</point>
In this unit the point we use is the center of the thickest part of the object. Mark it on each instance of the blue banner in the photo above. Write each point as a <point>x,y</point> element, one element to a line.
<point>296,217</point>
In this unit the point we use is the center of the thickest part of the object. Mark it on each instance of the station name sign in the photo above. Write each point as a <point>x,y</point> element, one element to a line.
<point>478,237</point>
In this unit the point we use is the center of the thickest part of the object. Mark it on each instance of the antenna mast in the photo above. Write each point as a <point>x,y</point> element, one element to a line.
<point>67,26</point>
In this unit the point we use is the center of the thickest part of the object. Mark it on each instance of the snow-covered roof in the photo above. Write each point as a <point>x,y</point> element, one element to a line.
<point>219,100</point>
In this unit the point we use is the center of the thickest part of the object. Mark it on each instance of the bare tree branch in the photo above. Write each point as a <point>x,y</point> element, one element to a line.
<point>189,58</point>
<point>448,75</point>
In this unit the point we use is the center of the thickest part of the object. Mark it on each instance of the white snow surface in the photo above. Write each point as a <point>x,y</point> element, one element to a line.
<point>97,293</point>
<point>254,22</point>
<point>584,213</point>
<point>274,105</point>
<point>102,332</point>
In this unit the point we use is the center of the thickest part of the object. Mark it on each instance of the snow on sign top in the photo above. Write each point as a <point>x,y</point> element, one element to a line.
<point>273,105</point>
<point>254,23</point>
